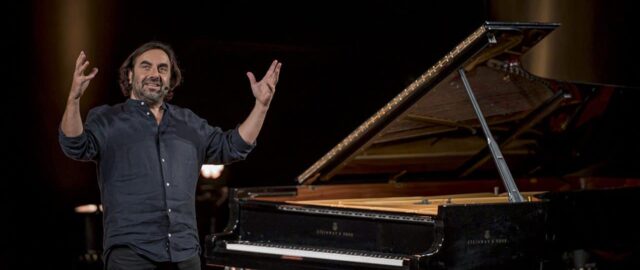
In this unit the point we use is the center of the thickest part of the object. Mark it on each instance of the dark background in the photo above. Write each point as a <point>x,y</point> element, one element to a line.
<point>341,62</point>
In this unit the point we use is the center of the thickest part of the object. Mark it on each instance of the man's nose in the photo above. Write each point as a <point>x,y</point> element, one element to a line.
<point>153,77</point>
<point>154,74</point>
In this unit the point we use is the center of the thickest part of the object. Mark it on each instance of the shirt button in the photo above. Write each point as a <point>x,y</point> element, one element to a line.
<point>142,103</point>
<point>169,210</point>
<point>169,235</point>
<point>168,184</point>
<point>163,160</point>
<point>148,113</point>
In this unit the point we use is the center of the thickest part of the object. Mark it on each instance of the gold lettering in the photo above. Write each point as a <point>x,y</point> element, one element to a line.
<point>335,233</point>
<point>498,241</point>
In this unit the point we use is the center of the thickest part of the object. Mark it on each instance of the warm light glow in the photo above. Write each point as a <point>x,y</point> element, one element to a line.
<point>86,209</point>
<point>211,171</point>
<point>76,33</point>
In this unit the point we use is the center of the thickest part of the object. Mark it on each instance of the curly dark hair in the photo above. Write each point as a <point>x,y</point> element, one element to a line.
<point>127,66</point>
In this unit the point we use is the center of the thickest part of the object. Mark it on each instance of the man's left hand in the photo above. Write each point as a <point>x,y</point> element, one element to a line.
<point>264,89</point>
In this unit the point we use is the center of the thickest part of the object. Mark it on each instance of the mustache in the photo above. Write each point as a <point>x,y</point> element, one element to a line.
<point>152,80</point>
<point>157,80</point>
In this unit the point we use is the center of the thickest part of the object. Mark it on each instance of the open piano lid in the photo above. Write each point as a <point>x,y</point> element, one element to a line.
<point>431,131</point>
<point>430,128</point>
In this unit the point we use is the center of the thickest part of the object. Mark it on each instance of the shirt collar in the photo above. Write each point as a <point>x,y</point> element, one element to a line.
<point>141,104</point>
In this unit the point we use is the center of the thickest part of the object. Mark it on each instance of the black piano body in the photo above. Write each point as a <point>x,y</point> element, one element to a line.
<point>413,187</point>
<point>272,234</point>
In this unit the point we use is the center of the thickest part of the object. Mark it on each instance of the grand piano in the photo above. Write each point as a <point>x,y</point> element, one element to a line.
<point>477,164</point>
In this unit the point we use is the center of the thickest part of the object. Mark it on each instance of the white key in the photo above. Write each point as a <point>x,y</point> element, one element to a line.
<point>314,254</point>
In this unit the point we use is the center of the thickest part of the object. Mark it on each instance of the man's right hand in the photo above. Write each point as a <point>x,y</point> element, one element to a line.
<point>80,81</point>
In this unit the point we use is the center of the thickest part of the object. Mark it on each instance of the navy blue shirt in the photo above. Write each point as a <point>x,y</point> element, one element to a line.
<point>147,173</point>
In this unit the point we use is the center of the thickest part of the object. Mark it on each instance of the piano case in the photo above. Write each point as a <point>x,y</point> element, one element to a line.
<point>413,187</point>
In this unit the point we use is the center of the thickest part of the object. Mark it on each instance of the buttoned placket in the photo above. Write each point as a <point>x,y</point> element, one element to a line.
<point>165,179</point>
<point>164,160</point>
<point>162,154</point>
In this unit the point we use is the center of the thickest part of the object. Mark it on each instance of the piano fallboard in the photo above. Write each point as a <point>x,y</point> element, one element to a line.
<point>340,228</point>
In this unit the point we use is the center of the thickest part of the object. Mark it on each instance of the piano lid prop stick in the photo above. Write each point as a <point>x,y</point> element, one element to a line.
<point>501,164</point>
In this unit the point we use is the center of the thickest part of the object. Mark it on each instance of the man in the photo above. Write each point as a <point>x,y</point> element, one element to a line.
<point>148,156</point>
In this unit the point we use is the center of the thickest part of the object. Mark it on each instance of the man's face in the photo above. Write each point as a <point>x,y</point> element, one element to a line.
<point>150,77</point>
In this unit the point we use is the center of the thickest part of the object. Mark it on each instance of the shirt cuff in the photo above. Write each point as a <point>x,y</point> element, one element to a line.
<point>239,143</point>
<point>71,140</point>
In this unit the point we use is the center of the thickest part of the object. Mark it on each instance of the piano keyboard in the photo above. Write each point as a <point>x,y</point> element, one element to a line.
<point>316,253</point>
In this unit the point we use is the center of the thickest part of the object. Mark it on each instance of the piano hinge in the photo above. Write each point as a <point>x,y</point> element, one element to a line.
<point>492,38</point>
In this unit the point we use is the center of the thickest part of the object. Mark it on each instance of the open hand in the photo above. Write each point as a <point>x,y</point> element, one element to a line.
<point>80,81</point>
<point>264,89</point>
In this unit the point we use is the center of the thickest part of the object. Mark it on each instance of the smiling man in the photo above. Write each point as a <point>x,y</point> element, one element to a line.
<point>148,154</point>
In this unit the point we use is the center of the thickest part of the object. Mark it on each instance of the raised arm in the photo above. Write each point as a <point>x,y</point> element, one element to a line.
<point>263,91</point>
<point>71,124</point>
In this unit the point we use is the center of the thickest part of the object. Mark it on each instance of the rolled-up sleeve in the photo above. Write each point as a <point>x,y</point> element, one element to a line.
<point>86,146</point>
<point>225,147</point>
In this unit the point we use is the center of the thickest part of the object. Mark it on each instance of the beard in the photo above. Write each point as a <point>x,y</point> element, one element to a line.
<point>152,97</point>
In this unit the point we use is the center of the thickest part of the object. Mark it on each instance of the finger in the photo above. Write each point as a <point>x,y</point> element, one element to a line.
<point>277,73</point>
<point>80,59</point>
<point>252,79</point>
<point>93,73</point>
<point>271,69</point>
<point>83,67</point>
